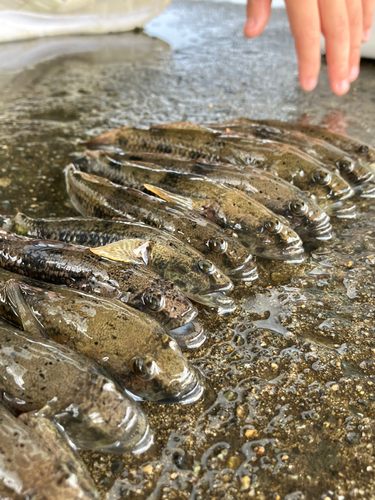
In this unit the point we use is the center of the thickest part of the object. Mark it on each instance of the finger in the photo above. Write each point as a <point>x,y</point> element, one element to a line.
<point>305,27</point>
<point>257,15</point>
<point>368,14</point>
<point>354,10</point>
<point>335,28</point>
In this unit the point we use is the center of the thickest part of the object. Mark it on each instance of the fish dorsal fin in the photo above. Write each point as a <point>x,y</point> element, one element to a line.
<point>127,250</point>
<point>180,126</point>
<point>171,197</point>
<point>29,323</point>
<point>208,208</point>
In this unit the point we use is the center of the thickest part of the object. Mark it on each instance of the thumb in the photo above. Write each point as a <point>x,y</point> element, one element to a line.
<point>257,15</point>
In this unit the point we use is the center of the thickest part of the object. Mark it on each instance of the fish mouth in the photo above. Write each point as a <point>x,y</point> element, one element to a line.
<point>190,335</point>
<point>187,317</point>
<point>217,300</point>
<point>342,194</point>
<point>323,230</point>
<point>293,254</point>
<point>191,395</point>
<point>248,271</point>
<point>145,442</point>
<point>364,191</point>
<point>342,210</point>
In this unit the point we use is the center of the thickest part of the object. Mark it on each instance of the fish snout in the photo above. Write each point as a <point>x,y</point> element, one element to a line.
<point>177,317</point>
<point>248,271</point>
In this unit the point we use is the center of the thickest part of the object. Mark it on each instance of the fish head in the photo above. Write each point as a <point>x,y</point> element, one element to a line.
<point>325,184</point>
<point>276,240</point>
<point>162,373</point>
<point>161,299</point>
<point>107,421</point>
<point>308,218</point>
<point>188,268</point>
<point>356,173</point>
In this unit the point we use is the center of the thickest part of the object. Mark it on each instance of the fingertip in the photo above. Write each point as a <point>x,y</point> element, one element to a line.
<point>249,29</point>
<point>353,73</point>
<point>340,87</point>
<point>308,84</point>
<point>366,36</point>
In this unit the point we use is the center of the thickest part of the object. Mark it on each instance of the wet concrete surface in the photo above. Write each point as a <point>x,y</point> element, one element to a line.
<point>289,410</point>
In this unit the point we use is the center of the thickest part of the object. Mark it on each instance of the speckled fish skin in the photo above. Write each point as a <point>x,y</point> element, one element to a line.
<point>301,211</point>
<point>95,413</point>
<point>182,138</point>
<point>354,172</point>
<point>166,255</point>
<point>227,207</point>
<point>98,197</point>
<point>37,469</point>
<point>193,141</point>
<point>77,267</point>
<point>133,348</point>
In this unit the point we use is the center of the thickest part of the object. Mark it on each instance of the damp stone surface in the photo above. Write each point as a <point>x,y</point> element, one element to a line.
<point>289,410</point>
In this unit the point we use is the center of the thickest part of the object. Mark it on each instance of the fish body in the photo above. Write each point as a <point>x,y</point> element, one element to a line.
<point>133,348</point>
<point>94,196</point>
<point>301,211</point>
<point>227,207</point>
<point>192,141</point>
<point>37,464</point>
<point>79,268</point>
<point>165,254</point>
<point>313,141</point>
<point>93,410</point>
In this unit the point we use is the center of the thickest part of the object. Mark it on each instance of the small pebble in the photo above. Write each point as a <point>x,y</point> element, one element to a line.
<point>245,483</point>
<point>251,433</point>
<point>148,469</point>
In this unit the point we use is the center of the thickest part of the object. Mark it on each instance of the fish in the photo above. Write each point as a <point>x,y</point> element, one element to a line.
<point>130,345</point>
<point>80,268</point>
<point>307,139</point>
<point>95,196</point>
<point>194,141</point>
<point>229,208</point>
<point>94,411</point>
<point>37,463</point>
<point>302,212</point>
<point>164,254</point>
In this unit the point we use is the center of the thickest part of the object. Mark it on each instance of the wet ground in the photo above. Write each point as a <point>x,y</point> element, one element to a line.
<point>289,410</point>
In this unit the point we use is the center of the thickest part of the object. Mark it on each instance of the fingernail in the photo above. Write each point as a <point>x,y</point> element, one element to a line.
<point>341,86</point>
<point>353,73</point>
<point>366,36</point>
<point>250,22</point>
<point>309,83</point>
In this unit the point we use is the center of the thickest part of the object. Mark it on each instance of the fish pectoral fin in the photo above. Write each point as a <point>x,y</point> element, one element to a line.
<point>171,197</point>
<point>127,250</point>
<point>29,323</point>
<point>210,209</point>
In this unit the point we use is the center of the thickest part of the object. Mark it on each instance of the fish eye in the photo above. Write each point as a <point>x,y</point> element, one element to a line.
<point>273,226</point>
<point>363,149</point>
<point>218,245</point>
<point>321,177</point>
<point>298,207</point>
<point>144,368</point>
<point>154,301</point>
<point>206,266</point>
<point>346,166</point>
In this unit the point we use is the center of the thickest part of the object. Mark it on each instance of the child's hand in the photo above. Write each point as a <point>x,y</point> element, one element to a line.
<point>345,24</point>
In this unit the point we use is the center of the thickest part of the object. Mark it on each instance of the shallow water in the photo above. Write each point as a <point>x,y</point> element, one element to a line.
<point>289,412</point>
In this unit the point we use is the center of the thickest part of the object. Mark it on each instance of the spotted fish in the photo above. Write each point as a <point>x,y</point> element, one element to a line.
<point>90,406</point>
<point>133,348</point>
<point>301,211</point>
<point>79,268</point>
